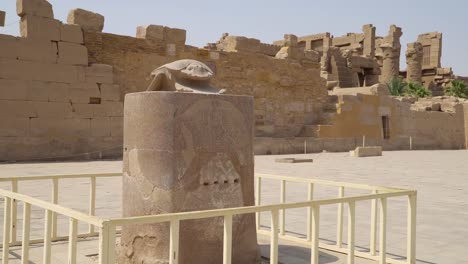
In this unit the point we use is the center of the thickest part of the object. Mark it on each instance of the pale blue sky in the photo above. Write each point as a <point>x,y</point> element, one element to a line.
<point>268,20</point>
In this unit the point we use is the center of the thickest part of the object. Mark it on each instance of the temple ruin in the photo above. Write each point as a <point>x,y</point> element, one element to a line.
<point>62,87</point>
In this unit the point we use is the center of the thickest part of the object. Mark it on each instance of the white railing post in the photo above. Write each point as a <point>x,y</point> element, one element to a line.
<point>258,200</point>
<point>310,197</point>
<point>274,237</point>
<point>14,212</point>
<point>92,201</point>
<point>351,230</point>
<point>174,242</point>
<point>227,240</point>
<point>26,231</point>
<point>373,231</point>
<point>47,237</point>
<point>339,222</point>
<point>107,243</point>
<point>72,240</point>
<point>314,254</point>
<point>283,211</point>
<point>55,186</point>
<point>383,231</point>
<point>6,230</point>
<point>411,243</point>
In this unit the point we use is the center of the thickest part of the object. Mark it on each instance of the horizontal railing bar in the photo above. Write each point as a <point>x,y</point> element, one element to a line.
<point>248,209</point>
<point>333,248</point>
<point>57,239</point>
<point>53,207</point>
<point>330,183</point>
<point>261,175</point>
<point>68,176</point>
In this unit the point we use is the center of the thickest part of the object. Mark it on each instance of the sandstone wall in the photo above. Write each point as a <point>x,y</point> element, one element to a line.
<point>361,115</point>
<point>287,94</point>
<point>52,103</point>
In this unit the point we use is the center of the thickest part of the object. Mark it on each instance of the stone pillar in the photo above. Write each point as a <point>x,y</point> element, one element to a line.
<point>414,59</point>
<point>188,152</point>
<point>391,49</point>
<point>369,41</point>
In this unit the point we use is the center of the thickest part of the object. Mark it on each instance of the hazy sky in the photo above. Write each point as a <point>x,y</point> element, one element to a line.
<point>268,20</point>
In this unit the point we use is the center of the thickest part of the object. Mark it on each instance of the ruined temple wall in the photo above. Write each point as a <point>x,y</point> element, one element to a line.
<point>287,94</point>
<point>53,104</point>
<point>361,115</point>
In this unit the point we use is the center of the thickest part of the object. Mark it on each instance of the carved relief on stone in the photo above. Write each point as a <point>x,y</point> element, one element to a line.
<point>183,76</point>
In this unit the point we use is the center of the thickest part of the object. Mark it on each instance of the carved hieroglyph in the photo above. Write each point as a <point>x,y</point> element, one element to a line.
<point>187,152</point>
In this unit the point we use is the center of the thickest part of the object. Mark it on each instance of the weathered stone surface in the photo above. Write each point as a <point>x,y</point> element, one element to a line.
<point>414,62</point>
<point>71,33</point>
<point>367,151</point>
<point>187,152</point>
<point>88,20</point>
<point>38,50</point>
<point>99,73</point>
<point>40,8</point>
<point>110,92</point>
<point>35,27</point>
<point>72,54</point>
<point>162,33</point>
<point>9,46</point>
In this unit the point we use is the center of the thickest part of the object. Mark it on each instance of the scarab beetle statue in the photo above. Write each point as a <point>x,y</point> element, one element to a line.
<point>183,76</point>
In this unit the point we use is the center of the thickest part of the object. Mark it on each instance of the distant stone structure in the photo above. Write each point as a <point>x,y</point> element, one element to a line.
<point>414,61</point>
<point>186,151</point>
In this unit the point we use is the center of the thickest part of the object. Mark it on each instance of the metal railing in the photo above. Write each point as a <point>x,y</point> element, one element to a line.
<point>108,228</point>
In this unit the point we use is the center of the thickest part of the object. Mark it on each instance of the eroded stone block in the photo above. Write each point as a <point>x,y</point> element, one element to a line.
<point>162,33</point>
<point>15,109</point>
<point>29,70</point>
<point>35,27</point>
<point>100,127</point>
<point>99,73</point>
<point>110,92</point>
<point>39,50</point>
<point>88,20</point>
<point>39,8</point>
<point>9,47</point>
<point>84,93</point>
<point>60,127</point>
<point>367,151</point>
<point>14,127</point>
<point>71,33</point>
<point>52,109</point>
<point>188,152</point>
<point>72,53</point>
<point>13,89</point>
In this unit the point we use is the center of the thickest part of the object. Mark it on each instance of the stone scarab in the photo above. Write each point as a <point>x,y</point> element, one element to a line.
<point>183,76</point>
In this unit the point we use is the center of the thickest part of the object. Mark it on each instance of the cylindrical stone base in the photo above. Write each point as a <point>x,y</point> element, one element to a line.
<point>187,152</point>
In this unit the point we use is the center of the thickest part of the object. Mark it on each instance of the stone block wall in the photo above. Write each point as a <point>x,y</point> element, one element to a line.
<point>432,46</point>
<point>287,94</point>
<point>431,124</point>
<point>53,104</point>
<point>243,44</point>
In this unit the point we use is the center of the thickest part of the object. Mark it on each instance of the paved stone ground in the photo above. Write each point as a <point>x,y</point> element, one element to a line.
<point>441,178</point>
